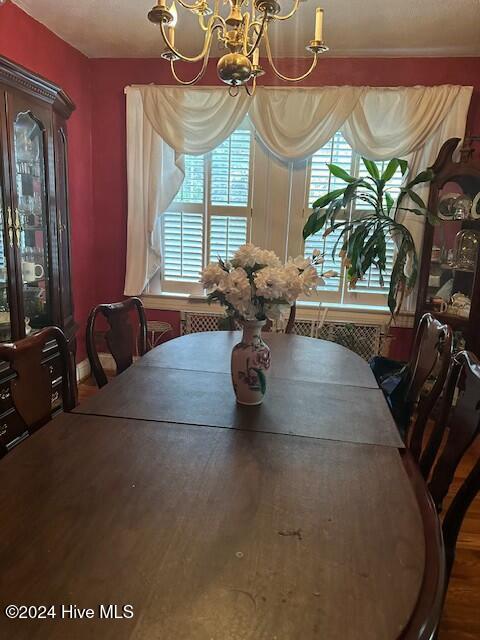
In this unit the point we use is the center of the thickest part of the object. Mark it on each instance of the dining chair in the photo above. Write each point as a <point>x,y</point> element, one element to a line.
<point>289,327</point>
<point>120,337</point>
<point>431,357</point>
<point>403,384</point>
<point>454,433</point>
<point>31,384</point>
<point>460,421</point>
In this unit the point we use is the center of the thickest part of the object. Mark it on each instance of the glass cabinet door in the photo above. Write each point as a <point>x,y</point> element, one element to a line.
<point>5,325</point>
<point>31,220</point>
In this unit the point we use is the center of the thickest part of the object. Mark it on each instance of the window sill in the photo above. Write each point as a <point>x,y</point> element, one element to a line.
<point>306,310</point>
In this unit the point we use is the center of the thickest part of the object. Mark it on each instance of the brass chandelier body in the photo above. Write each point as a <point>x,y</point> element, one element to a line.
<point>240,33</point>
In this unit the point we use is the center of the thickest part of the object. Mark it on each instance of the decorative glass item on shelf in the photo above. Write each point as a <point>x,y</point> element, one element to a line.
<point>452,265</point>
<point>467,243</point>
<point>457,206</point>
<point>462,208</point>
<point>30,221</point>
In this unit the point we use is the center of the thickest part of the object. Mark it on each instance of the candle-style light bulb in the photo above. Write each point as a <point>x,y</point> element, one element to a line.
<point>171,26</point>
<point>319,25</point>
<point>173,11</point>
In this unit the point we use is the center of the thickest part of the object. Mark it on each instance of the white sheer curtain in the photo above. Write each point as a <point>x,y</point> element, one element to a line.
<point>165,122</point>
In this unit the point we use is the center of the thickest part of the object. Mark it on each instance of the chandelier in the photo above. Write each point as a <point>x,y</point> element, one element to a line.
<point>240,33</point>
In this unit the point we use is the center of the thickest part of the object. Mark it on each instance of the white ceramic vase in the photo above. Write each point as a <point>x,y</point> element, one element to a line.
<point>250,364</point>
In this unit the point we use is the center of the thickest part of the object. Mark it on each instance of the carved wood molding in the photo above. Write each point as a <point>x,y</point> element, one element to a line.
<point>16,76</point>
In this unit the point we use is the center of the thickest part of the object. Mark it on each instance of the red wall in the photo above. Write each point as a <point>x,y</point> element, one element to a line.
<point>30,44</point>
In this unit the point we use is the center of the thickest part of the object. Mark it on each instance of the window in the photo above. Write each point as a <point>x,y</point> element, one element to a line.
<point>241,193</point>
<point>210,216</point>
<point>368,291</point>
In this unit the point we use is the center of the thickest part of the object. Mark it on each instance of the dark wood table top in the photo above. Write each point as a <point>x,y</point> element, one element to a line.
<point>210,534</point>
<point>320,410</point>
<point>293,357</point>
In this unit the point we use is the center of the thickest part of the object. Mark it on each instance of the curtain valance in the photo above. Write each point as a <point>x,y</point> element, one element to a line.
<point>163,123</point>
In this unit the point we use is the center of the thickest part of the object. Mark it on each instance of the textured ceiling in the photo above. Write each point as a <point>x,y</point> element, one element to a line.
<point>119,28</point>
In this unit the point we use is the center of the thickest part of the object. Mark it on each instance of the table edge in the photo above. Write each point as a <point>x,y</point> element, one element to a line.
<point>425,618</point>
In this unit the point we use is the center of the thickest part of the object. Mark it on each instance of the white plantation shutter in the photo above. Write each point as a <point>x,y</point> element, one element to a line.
<point>227,234</point>
<point>230,194</point>
<point>183,246</point>
<point>336,151</point>
<point>192,189</point>
<point>210,215</point>
<point>230,171</point>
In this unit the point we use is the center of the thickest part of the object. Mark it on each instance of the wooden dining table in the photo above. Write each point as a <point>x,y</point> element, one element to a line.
<point>162,502</point>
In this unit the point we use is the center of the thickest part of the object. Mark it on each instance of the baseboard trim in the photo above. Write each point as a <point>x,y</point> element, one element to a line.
<point>83,370</point>
<point>107,361</point>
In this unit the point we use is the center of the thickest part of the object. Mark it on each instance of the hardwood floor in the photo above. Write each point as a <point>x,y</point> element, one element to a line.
<point>461,618</point>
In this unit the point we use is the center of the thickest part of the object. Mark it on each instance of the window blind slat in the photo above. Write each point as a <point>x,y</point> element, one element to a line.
<point>227,234</point>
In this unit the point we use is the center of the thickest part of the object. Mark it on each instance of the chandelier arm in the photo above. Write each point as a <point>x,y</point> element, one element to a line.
<point>288,15</point>
<point>199,75</point>
<point>254,86</point>
<point>260,33</point>
<point>280,75</point>
<point>206,45</point>
<point>193,6</point>
<point>245,27</point>
<point>201,22</point>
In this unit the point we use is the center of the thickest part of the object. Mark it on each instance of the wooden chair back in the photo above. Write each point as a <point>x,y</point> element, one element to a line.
<point>119,337</point>
<point>431,354</point>
<point>459,421</point>
<point>454,432</point>
<point>31,387</point>
<point>290,322</point>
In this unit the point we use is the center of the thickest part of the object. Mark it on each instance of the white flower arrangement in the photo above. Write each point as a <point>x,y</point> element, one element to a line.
<point>255,285</point>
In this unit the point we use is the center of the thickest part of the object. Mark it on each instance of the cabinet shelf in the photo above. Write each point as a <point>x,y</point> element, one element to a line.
<point>454,320</point>
<point>440,241</point>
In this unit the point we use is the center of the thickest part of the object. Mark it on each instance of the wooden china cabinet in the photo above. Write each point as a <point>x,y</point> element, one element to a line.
<point>449,282</point>
<point>35,286</point>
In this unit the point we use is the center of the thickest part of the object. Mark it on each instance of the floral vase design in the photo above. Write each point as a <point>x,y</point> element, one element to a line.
<point>250,364</point>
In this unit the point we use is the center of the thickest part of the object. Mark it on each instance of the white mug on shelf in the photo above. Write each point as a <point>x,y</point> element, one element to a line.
<point>32,271</point>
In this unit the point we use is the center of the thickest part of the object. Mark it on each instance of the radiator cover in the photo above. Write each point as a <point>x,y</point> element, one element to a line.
<point>366,340</point>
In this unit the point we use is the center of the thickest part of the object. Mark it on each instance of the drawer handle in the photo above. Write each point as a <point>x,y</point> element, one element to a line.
<point>3,429</point>
<point>55,396</point>
<point>4,394</point>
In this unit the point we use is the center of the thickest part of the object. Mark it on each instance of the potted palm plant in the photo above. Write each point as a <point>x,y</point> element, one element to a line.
<point>362,242</point>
